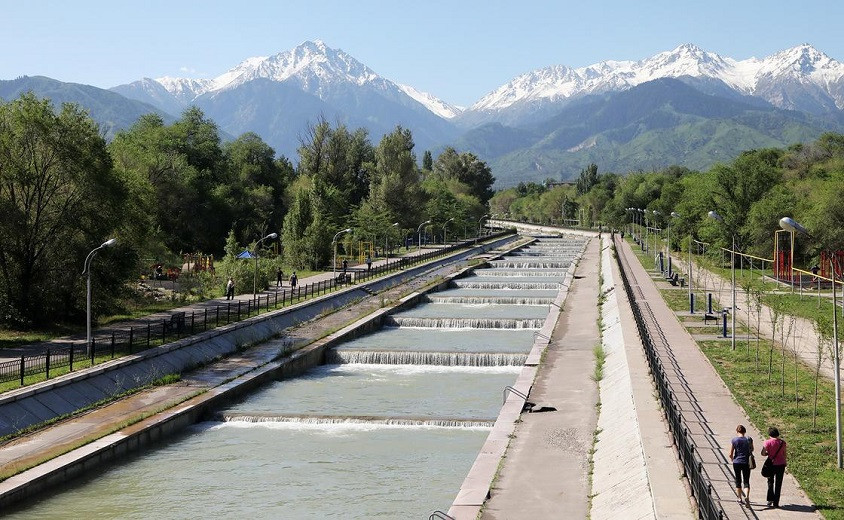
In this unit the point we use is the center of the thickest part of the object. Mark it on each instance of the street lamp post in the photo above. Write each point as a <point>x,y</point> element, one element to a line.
<point>445,231</point>
<point>386,238</point>
<point>719,218</point>
<point>334,248</point>
<point>479,225</point>
<point>86,269</point>
<point>419,233</point>
<point>271,236</point>
<point>789,224</point>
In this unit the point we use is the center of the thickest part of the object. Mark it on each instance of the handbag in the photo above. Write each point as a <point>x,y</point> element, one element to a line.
<point>752,461</point>
<point>768,465</point>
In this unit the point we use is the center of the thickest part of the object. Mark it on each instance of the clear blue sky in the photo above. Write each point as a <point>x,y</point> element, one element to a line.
<point>456,50</point>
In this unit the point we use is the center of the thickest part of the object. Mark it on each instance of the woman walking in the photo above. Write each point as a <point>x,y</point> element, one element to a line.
<point>741,451</point>
<point>774,448</point>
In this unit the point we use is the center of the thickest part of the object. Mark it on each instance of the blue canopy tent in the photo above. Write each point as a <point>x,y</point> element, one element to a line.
<point>246,254</point>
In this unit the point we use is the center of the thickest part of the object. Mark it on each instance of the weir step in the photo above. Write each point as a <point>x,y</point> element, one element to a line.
<point>466,359</point>
<point>441,422</point>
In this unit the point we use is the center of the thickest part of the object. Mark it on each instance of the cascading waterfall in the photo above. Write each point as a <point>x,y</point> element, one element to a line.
<point>468,284</point>
<point>527,264</point>
<point>442,422</point>
<point>465,323</point>
<point>501,300</point>
<point>467,359</point>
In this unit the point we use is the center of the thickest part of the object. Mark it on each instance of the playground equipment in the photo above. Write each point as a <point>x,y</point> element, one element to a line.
<point>196,262</point>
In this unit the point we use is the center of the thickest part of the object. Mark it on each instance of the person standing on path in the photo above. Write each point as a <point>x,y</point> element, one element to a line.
<point>293,280</point>
<point>774,448</point>
<point>230,289</point>
<point>368,263</point>
<point>741,450</point>
<point>279,277</point>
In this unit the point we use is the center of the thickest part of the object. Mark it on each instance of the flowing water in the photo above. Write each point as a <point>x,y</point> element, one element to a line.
<point>389,428</point>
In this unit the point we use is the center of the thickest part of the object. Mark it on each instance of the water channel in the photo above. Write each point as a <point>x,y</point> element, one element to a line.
<point>389,428</point>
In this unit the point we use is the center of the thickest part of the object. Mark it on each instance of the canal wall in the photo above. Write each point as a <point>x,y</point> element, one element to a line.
<point>38,403</point>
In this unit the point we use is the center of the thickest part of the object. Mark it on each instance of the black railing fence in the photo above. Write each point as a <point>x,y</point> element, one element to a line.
<point>119,342</point>
<point>700,482</point>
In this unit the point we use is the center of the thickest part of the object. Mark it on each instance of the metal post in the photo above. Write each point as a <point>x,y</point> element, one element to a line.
<point>733,310</point>
<point>836,367</point>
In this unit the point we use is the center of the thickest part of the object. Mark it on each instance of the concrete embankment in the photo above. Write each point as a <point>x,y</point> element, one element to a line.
<point>41,402</point>
<point>216,385</point>
<point>635,472</point>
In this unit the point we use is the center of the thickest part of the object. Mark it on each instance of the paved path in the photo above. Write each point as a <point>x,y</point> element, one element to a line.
<point>545,470</point>
<point>709,407</point>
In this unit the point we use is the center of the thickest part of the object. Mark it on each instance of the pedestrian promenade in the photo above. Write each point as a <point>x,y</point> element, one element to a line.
<point>708,406</point>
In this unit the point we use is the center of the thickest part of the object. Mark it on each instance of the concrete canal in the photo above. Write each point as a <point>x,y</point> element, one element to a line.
<point>389,427</point>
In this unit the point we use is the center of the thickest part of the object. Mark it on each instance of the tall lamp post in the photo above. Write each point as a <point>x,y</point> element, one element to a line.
<point>271,236</point>
<point>87,270</point>
<point>419,233</point>
<point>789,224</point>
<point>719,218</point>
<point>386,238</point>
<point>445,231</point>
<point>334,248</point>
<point>479,225</point>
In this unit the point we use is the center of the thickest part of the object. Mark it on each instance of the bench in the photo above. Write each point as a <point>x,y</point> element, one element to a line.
<point>676,280</point>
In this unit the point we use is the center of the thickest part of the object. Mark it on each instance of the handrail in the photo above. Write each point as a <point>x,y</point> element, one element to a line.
<point>510,389</point>
<point>441,515</point>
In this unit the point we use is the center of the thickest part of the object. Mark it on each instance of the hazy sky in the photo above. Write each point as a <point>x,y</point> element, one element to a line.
<point>456,50</point>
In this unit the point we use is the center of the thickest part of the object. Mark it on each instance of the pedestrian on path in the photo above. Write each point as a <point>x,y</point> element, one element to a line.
<point>279,277</point>
<point>230,289</point>
<point>368,263</point>
<point>293,280</point>
<point>741,451</point>
<point>775,449</point>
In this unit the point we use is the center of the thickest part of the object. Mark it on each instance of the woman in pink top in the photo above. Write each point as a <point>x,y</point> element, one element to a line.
<point>774,448</point>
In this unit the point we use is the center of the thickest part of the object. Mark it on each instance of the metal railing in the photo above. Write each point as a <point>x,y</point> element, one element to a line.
<point>700,482</point>
<point>108,344</point>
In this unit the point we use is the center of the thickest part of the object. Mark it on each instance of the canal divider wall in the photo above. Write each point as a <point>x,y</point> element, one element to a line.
<point>476,486</point>
<point>63,395</point>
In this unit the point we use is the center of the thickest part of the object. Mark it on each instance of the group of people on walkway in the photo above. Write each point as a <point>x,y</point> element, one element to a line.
<point>741,455</point>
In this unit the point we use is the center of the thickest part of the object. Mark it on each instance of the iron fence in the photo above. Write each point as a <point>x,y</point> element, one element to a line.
<point>700,482</point>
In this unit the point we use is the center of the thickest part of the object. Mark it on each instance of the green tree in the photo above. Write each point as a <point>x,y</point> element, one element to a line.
<point>468,169</point>
<point>59,198</point>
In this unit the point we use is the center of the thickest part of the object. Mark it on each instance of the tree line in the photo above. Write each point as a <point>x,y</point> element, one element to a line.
<point>751,193</point>
<point>168,189</point>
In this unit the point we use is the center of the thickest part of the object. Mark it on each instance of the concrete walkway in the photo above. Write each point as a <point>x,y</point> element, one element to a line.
<point>545,470</point>
<point>708,406</point>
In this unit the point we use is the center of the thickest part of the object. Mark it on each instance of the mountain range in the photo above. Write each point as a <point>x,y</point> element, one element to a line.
<point>685,106</point>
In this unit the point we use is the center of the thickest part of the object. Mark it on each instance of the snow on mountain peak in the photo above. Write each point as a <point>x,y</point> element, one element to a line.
<point>560,82</point>
<point>432,103</point>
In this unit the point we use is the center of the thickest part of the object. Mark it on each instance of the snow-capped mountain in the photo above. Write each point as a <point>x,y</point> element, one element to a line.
<point>432,103</point>
<point>801,78</point>
<point>277,96</point>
